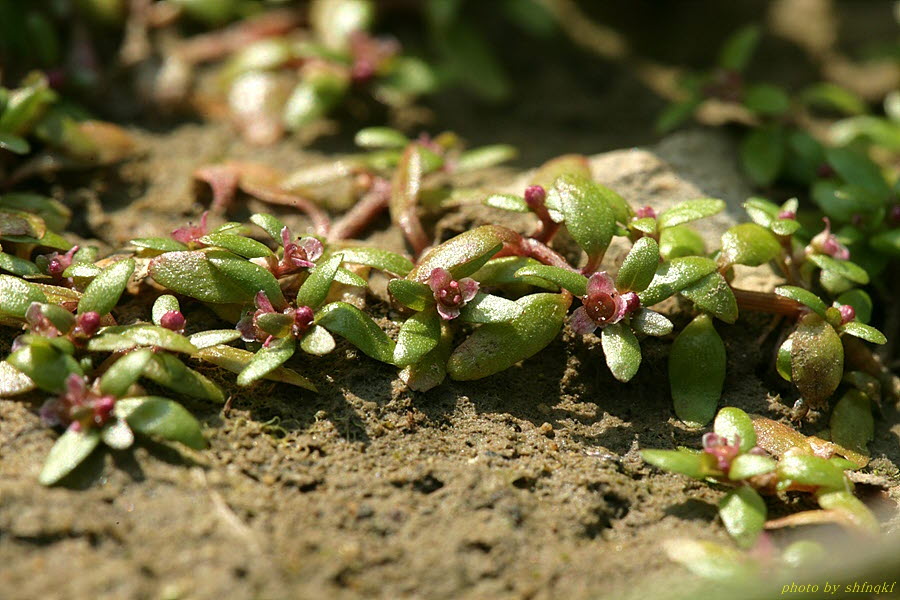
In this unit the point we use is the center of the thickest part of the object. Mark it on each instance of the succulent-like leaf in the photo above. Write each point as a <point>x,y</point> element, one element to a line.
<point>734,424</point>
<point>103,293</point>
<point>762,153</point>
<point>509,202</point>
<point>679,241</point>
<point>17,266</point>
<point>692,463</point>
<point>804,297</point>
<point>487,308</point>
<point>639,266</point>
<point>466,253</point>
<point>268,223</point>
<point>861,303</point>
<point>852,424</point>
<point>45,365</point>
<point>431,369</point>
<point>502,271</point>
<point>124,372</point>
<point>69,451</point>
<point>117,435</point>
<point>213,337</point>
<point>851,507</point>
<point>697,371</point>
<point>743,512</point>
<point>887,242</point>
<point>866,332</point>
<point>588,217</point>
<point>238,244</point>
<point>806,469</point>
<point>648,322</point>
<point>317,341</point>
<point>380,137</point>
<point>377,258</point>
<point>162,418</point>
<point>564,278</point>
<point>159,244</point>
<point>348,277</point>
<point>13,381</point>
<point>236,359</point>
<point>497,346</point>
<point>17,295</point>
<point>766,99</point>
<point>844,268</point>
<point>817,359</point>
<point>749,244</point>
<point>690,210</point>
<point>249,276</point>
<point>162,305</point>
<point>710,560</point>
<point>550,171</point>
<point>167,370</point>
<point>412,294</point>
<point>116,338</point>
<point>357,328</point>
<point>675,275</point>
<point>739,48</point>
<point>712,294</point>
<point>750,465</point>
<point>267,359</point>
<point>315,289</point>
<point>858,169</point>
<point>14,143</point>
<point>646,225</point>
<point>484,157</point>
<point>622,351</point>
<point>419,335</point>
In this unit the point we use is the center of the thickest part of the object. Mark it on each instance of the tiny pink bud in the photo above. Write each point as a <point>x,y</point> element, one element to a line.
<point>173,320</point>
<point>645,212</point>
<point>848,313</point>
<point>303,319</point>
<point>787,214</point>
<point>535,195</point>
<point>632,302</point>
<point>87,323</point>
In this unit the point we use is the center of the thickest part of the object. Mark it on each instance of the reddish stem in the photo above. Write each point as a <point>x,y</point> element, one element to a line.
<point>321,222</point>
<point>768,303</point>
<point>543,253</point>
<point>357,218</point>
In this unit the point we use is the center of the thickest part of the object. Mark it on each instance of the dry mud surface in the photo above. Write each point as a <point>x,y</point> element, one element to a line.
<point>527,484</point>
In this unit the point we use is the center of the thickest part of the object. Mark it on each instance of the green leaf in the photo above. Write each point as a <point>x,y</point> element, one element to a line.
<point>648,322</point>
<point>743,512</point>
<point>766,99</point>
<point>858,169</point>
<point>419,335</point>
<point>639,266</point>
<point>784,227</point>
<point>54,213</point>
<point>269,224</point>
<point>14,143</point>
<point>502,271</point>
<point>236,359</point>
<point>749,244</point>
<point>861,303</point>
<point>844,268</point>
<point>380,137</point>
<point>832,96</point>
<point>564,278</point>
<point>162,305</point>
<point>646,225</point>
<point>677,113</point>
<point>679,241</point>
<point>162,418</point>
<point>697,371</point>
<point>713,295</point>
<point>13,381</point>
<point>69,451</point>
<point>82,271</point>
<point>750,465</point>
<point>817,359</point>
<point>240,245</point>
<point>806,469</point>
<point>866,332</point>
<point>317,341</point>
<point>695,464</point>
<point>45,365</point>
<point>739,48</point>
<point>117,435</point>
<point>348,277</point>
<point>690,210</point>
<point>315,289</point>
<point>486,308</point>
<point>357,328</point>
<point>887,242</point>
<point>466,253</point>
<point>470,59</point>
<point>851,507</point>
<point>431,369</point>
<point>267,359</point>
<point>734,424</point>
<point>485,157</point>
<point>711,560</point>
<point>588,216</point>
<point>167,370</point>
<point>124,372</point>
<point>411,294</point>
<point>852,424</point>
<point>158,243</point>
<point>111,339</point>
<point>103,293</point>
<point>213,337</point>
<point>215,276</point>
<point>762,154</point>
<point>377,258</point>
<point>17,295</point>
<point>495,347</point>
<point>509,202</point>
<point>622,350</point>
<point>804,297</point>
<point>17,266</point>
<point>675,275</point>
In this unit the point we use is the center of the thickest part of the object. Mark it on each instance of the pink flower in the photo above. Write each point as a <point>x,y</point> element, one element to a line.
<point>645,212</point>
<point>173,320</point>
<point>535,196</point>
<point>297,256</point>
<point>86,324</point>
<point>449,294</point>
<point>39,323</point>
<point>190,233</point>
<point>370,54</point>
<point>57,263</point>
<point>718,446</point>
<point>79,406</point>
<point>302,319</point>
<point>787,214</point>
<point>602,305</point>
<point>826,243</point>
<point>848,313</point>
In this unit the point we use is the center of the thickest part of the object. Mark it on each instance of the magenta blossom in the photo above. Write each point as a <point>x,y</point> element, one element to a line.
<point>78,407</point>
<point>827,243</point>
<point>39,323</point>
<point>302,319</point>
<point>173,320</point>
<point>451,294</point>
<point>724,452</point>
<point>645,212</point>
<point>86,324</point>
<point>787,214</point>
<point>57,263</point>
<point>602,305</point>
<point>296,256</point>
<point>190,233</point>
<point>848,313</point>
<point>370,54</point>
